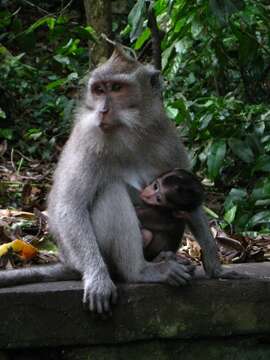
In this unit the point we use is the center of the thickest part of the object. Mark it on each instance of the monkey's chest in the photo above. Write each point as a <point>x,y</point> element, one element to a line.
<point>138,178</point>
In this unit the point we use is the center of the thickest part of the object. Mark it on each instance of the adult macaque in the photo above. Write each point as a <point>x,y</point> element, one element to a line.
<point>171,196</point>
<point>121,140</point>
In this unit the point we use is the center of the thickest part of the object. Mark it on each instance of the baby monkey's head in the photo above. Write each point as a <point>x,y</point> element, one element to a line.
<point>177,189</point>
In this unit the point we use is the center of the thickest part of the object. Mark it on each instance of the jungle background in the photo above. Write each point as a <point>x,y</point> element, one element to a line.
<point>215,59</point>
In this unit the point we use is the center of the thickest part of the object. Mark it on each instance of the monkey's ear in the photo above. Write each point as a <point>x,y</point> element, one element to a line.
<point>155,80</point>
<point>120,55</point>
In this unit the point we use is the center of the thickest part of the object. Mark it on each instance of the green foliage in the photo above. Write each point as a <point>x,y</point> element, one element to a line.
<point>216,63</point>
<point>41,62</point>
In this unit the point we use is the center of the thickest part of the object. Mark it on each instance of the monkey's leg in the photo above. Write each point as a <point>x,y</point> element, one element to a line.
<point>120,241</point>
<point>34,274</point>
<point>163,242</point>
<point>199,226</point>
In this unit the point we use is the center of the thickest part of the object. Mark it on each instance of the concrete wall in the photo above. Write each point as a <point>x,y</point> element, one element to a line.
<point>209,319</point>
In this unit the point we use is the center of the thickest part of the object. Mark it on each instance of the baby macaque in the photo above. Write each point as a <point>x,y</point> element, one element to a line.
<point>171,196</point>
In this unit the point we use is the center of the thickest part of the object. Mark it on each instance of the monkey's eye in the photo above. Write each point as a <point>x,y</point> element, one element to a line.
<point>116,87</point>
<point>158,198</point>
<point>155,186</point>
<point>97,89</point>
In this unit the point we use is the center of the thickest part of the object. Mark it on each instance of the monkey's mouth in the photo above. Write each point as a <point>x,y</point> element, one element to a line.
<point>107,128</point>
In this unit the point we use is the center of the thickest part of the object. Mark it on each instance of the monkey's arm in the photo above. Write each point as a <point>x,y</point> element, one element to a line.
<point>199,226</point>
<point>79,242</point>
<point>70,222</point>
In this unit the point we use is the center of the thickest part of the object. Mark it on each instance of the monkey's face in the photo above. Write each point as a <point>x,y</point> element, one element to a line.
<point>154,194</point>
<point>113,103</point>
<point>124,97</point>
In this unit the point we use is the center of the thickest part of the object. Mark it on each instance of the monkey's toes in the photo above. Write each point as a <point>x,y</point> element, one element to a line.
<point>233,275</point>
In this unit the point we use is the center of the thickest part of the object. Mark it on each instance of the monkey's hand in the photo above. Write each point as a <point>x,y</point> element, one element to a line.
<point>170,255</point>
<point>168,272</point>
<point>99,292</point>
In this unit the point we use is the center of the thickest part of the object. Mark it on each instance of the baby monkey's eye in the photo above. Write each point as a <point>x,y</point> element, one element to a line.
<point>155,186</point>
<point>116,87</point>
<point>158,198</point>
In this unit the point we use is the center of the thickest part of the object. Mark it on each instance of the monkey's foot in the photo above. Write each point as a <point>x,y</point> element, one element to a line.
<point>223,273</point>
<point>233,275</point>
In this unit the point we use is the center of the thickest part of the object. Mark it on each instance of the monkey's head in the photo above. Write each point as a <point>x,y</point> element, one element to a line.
<point>122,97</point>
<point>177,190</point>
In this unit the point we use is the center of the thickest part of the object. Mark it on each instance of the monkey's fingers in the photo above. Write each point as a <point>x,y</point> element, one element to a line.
<point>105,299</point>
<point>99,296</point>
<point>191,268</point>
<point>181,259</point>
<point>177,280</point>
<point>178,274</point>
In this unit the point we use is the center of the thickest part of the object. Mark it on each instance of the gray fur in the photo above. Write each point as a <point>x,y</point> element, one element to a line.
<point>90,209</point>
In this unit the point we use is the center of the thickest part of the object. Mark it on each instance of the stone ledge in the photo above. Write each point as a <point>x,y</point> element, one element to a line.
<point>51,314</point>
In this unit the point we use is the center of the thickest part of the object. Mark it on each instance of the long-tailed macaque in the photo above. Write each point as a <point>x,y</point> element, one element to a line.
<point>121,140</point>
<point>171,196</point>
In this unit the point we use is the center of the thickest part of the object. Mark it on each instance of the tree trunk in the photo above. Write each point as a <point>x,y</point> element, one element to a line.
<point>98,15</point>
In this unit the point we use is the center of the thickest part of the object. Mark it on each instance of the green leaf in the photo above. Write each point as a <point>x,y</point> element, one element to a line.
<point>55,84</point>
<point>167,54</point>
<point>145,35</point>
<point>91,33</point>
<point>259,218</point>
<point>6,134</point>
<point>216,157</point>
<point>171,112</point>
<point>205,121</point>
<point>210,212</point>
<point>51,22</point>
<point>179,25</point>
<point>64,60</point>
<point>34,134</point>
<point>222,9</point>
<point>180,105</point>
<point>262,164</point>
<point>235,196</point>
<point>261,192</point>
<point>242,150</point>
<point>196,29</point>
<point>2,114</point>
<point>230,214</point>
<point>136,19</point>
<point>48,20</point>
<point>72,76</point>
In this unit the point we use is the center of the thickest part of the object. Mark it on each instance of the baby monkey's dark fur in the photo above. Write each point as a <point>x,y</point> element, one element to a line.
<point>170,197</point>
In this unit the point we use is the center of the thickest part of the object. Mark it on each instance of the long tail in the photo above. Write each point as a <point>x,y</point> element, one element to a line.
<point>34,274</point>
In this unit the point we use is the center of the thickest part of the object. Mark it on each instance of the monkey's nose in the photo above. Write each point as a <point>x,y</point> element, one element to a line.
<point>104,110</point>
